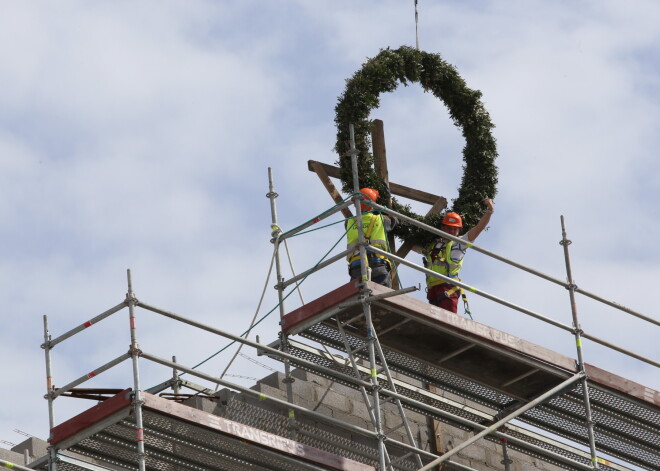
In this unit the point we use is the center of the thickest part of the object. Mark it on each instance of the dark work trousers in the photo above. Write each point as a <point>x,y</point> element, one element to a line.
<point>380,271</point>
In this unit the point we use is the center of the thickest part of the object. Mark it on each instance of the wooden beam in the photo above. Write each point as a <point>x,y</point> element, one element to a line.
<point>438,206</point>
<point>380,154</point>
<point>327,183</point>
<point>404,249</point>
<point>437,443</point>
<point>90,417</point>
<point>396,189</point>
<point>380,164</point>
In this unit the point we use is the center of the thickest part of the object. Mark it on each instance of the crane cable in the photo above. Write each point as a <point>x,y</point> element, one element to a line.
<point>416,26</point>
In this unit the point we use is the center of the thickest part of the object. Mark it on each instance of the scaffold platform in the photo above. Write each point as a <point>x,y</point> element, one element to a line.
<point>495,370</point>
<point>177,436</point>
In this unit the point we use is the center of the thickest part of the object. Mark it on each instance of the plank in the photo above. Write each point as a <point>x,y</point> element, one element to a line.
<point>395,188</point>
<point>327,183</point>
<point>90,417</point>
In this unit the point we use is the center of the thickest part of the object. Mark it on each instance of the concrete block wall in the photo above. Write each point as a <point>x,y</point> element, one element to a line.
<point>316,394</point>
<point>346,404</point>
<point>34,447</point>
<point>12,456</point>
<point>342,403</point>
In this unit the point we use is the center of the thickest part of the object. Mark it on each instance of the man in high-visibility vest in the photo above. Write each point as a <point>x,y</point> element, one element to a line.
<point>445,257</point>
<point>375,226</point>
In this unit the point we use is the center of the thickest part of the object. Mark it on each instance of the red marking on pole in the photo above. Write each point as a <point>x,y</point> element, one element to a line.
<point>140,434</point>
<point>132,322</point>
<point>316,220</point>
<point>87,324</point>
<point>91,375</point>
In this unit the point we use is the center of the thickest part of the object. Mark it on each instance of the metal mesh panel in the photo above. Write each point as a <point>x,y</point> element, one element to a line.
<point>410,393</point>
<point>606,420</point>
<point>616,433</point>
<point>567,426</point>
<point>325,362</point>
<point>172,445</point>
<point>632,410</point>
<point>71,467</point>
<point>417,369</point>
<point>462,412</point>
<point>325,437</point>
<point>567,453</point>
<point>622,428</point>
<point>541,456</point>
<point>79,464</point>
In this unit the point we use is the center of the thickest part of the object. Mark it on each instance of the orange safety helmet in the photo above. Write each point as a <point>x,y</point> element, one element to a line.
<point>371,194</point>
<point>452,219</point>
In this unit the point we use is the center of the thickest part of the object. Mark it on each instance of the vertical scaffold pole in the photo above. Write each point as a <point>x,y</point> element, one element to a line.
<point>577,330</point>
<point>52,463</point>
<point>276,232</point>
<point>416,27</point>
<point>358,207</point>
<point>506,461</point>
<point>49,374</point>
<point>137,395</point>
<point>364,294</point>
<point>176,388</point>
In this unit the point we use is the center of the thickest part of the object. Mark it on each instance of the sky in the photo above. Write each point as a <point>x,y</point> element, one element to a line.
<point>138,136</point>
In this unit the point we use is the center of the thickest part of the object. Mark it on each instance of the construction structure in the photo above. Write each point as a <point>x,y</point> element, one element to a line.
<point>410,364</point>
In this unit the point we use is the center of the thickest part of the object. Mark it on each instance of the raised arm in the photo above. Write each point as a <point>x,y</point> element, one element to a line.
<point>483,222</point>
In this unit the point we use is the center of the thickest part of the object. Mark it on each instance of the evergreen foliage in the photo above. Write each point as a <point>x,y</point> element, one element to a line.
<point>383,73</point>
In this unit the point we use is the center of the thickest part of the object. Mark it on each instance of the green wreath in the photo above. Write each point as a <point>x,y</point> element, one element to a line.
<point>382,74</point>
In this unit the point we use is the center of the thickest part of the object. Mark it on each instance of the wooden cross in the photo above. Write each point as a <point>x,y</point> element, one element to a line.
<point>324,172</point>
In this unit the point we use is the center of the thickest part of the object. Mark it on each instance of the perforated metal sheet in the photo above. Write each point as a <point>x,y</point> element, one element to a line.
<point>173,445</point>
<point>567,453</point>
<point>178,437</point>
<point>415,368</point>
<point>462,411</point>
<point>623,427</point>
<point>410,393</point>
<point>310,433</point>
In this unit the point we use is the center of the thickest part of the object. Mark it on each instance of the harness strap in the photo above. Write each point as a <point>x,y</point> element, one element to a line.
<point>440,281</point>
<point>367,234</point>
<point>353,258</point>
<point>466,306</point>
<point>449,292</point>
<point>377,242</point>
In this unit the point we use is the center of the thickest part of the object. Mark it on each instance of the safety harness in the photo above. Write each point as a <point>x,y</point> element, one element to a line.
<point>380,242</point>
<point>440,261</point>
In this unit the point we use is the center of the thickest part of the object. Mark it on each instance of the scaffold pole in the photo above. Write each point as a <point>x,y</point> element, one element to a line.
<point>49,375</point>
<point>577,331</point>
<point>494,427</point>
<point>364,276</point>
<point>276,232</point>
<point>135,355</point>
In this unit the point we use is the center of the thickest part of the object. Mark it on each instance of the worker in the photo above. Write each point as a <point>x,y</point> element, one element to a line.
<point>374,226</point>
<point>445,257</point>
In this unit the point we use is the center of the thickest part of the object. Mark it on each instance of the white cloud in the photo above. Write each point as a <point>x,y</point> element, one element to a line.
<point>138,136</point>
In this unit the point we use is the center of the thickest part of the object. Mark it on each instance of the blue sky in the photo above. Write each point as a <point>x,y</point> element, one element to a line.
<point>137,135</point>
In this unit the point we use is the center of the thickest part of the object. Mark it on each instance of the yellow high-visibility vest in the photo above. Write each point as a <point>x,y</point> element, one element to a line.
<point>374,232</point>
<point>439,261</point>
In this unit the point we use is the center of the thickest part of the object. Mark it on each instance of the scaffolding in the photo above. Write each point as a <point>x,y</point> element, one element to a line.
<point>342,313</point>
<point>395,347</point>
